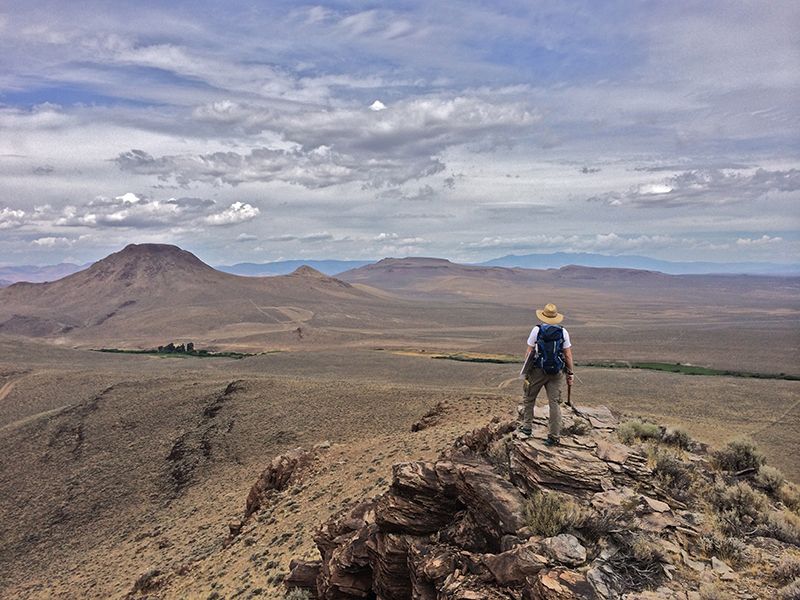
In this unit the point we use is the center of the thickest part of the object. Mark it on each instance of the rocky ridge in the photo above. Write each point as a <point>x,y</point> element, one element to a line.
<point>498,517</point>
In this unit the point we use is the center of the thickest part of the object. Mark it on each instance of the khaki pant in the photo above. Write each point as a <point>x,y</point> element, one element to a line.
<point>552,385</point>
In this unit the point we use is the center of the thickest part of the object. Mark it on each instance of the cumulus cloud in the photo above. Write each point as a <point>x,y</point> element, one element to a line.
<point>764,240</point>
<point>52,242</point>
<point>11,218</point>
<point>340,146</point>
<point>238,212</point>
<point>131,210</point>
<point>706,186</point>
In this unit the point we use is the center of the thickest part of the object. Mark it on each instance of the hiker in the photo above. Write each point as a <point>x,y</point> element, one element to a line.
<point>548,362</point>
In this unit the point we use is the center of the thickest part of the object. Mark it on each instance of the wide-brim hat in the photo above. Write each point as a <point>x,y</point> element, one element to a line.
<point>550,315</point>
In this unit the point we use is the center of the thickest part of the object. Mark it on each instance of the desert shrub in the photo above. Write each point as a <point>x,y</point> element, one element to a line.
<point>297,594</point>
<point>728,548</point>
<point>676,436</point>
<point>787,570</point>
<point>550,514</point>
<point>740,508</point>
<point>633,429</point>
<point>790,591</point>
<point>579,426</point>
<point>595,525</point>
<point>710,591</point>
<point>637,562</point>
<point>769,479</point>
<point>674,475</point>
<point>789,494</point>
<point>782,525</point>
<point>738,455</point>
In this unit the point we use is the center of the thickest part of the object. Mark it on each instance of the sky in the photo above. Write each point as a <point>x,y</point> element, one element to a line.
<point>261,131</point>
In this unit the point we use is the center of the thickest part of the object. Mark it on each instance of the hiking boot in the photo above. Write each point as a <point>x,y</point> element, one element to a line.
<point>524,431</point>
<point>552,441</point>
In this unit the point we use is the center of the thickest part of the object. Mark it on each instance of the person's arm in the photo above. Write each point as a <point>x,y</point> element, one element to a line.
<point>569,364</point>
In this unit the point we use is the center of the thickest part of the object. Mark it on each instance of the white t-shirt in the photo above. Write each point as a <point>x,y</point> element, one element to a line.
<point>535,333</point>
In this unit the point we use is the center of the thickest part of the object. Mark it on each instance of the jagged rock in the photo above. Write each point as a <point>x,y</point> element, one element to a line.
<point>562,584</point>
<point>614,498</point>
<point>422,498</point>
<point>577,472</point>
<point>656,505</point>
<point>611,451</point>
<point>515,565</point>
<point>276,477</point>
<point>345,571</point>
<point>390,569</point>
<point>565,549</point>
<point>430,418</point>
<point>455,528</point>
<point>465,533</point>
<point>722,569</point>
<point>477,442</point>
<point>697,565</point>
<point>493,501</point>
<point>303,574</point>
<point>599,416</point>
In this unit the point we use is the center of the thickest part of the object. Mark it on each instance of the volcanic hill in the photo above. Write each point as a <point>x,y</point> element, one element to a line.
<point>152,293</point>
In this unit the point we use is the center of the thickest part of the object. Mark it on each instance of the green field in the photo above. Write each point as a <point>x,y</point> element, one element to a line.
<point>184,354</point>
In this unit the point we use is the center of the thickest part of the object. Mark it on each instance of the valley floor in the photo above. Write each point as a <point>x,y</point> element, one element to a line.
<point>115,465</point>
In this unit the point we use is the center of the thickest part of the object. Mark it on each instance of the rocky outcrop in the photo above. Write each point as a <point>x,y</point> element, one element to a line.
<point>497,517</point>
<point>276,477</point>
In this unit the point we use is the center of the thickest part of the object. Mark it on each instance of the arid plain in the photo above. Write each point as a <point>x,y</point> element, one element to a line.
<point>114,465</point>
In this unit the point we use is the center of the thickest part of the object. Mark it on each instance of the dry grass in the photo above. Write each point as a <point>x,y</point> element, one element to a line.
<point>790,591</point>
<point>787,570</point>
<point>712,591</point>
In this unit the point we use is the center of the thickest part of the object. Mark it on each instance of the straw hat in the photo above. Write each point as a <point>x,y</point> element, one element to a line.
<point>550,315</point>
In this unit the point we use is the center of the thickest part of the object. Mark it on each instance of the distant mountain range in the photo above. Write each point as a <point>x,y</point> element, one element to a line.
<point>556,260</point>
<point>282,267</point>
<point>561,259</point>
<point>37,274</point>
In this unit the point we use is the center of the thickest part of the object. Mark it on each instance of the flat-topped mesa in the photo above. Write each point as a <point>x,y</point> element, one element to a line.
<point>498,517</point>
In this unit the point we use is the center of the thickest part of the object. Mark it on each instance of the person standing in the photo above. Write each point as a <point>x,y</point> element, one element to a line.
<point>548,364</point>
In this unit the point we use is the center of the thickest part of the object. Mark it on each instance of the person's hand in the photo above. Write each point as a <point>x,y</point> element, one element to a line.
<point>570,379</point>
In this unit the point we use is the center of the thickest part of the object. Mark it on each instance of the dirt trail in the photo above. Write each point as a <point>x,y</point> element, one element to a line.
<point>6,390</point>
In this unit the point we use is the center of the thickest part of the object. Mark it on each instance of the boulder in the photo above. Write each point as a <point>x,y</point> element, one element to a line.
<point>565,549</point>
<point>494,502</point>
<point>515,565</point>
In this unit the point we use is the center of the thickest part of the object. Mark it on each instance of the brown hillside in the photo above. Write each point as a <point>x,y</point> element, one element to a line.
<point>153,292</point>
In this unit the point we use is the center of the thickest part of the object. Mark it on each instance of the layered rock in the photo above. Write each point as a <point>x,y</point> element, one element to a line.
<point>463,526</point>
